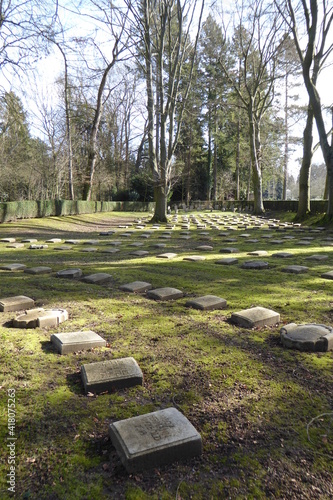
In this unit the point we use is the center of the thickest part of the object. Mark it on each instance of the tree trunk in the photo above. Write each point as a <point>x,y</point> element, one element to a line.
<point>255,148</point>
<point>160,199</point>
<point>305,172</point>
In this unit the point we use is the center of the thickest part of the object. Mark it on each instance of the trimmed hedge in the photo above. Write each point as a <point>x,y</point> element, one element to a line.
<point>14,210</point>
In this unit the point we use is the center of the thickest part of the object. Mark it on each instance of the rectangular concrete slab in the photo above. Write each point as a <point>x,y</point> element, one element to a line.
<point>76,341</point>
<point>97,278</point>
<point>155,439</point>
<point>166,293</point>
<point>207,302</point>
<point>255,317</point>
<point>136,287</point>
<point>112,374</point>
<point>38,270</point>
<point>13,267</point>
<point>18,303</point>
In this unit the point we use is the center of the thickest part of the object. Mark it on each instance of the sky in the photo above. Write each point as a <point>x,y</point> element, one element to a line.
<point>51,67</point>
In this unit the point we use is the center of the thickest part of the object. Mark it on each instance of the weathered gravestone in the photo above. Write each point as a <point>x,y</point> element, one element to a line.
<point>38,270</point>
<point>255,264</point>
<point>229,250</point>
<point>97,278</point>
<point>18,303</point>
<point>166,293</point>
<point>207,302</point>
<point>194,258</point>
<point>43,318</point>
<point>227,262</point>
<point>255,317</point>
<point>13,267</point>
<point>76,341</point>
<point>136,287</point>
<point>168,255</point>
<point>308,337</point>
<point>112,374</point>
<point>155,439</point>
<point>295,269</point>
<point>69,273</point>
<point>328,275</point>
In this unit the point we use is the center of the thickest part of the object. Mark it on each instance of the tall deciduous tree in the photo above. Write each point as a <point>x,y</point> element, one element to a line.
<point>257,39</point>
<point>311,20</point>
<point>166,47</point>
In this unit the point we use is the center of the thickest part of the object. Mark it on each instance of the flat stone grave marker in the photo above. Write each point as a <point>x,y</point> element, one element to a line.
<point>295,269</point>
<point>205,248</point>
<point>109,250</point>
<point>125,235</point>
<point>328,275</point>
<point>63,248</point>
<point>308,337</point>
<point>145,236</point>
<point>38,270</point>
<point>227,262</point>
<point>255,317</point>
<point>73,242</point>
<point>166,293</point>
<point>89,249</point>
<point>54,240</point>
<point>136,287</point>
<point>140,253</point>
<point>185,237</point>
<point>44,318</point>
<point>229,250</point>
<point>207,302</point>
<point>136,244</point>
<point>112,374</point>
<point>164,237</point>
<point>29,240</point>
<point>254,240</point>
<point>8,240</point>
<point>15,245</point>
<point>106,233</point>
<point>155,439</point>
<point>115,243</point>
<point>76,341</point>
<point>282,255</point>
<point>255,264</point>
<point>69,273</point>
<point>168,255</point>
<point>230,240</point>
<point>91,242</point>
<point>97,278</point>
<point>13,267</point>
<point>38,247</point>
<point>194,258</point>
<point>18,303</point>
<point>276,242</point>
<point>159,245</point>
<point>317,258</point>
<point>303,242</point>
<point>258,253</point>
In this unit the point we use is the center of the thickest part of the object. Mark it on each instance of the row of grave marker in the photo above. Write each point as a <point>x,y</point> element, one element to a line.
<point>166,435</point>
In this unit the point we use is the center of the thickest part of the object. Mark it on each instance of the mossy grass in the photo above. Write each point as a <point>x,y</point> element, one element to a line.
<point>264,412</point>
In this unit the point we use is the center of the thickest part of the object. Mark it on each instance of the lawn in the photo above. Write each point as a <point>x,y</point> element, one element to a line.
<point>264,412</point>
